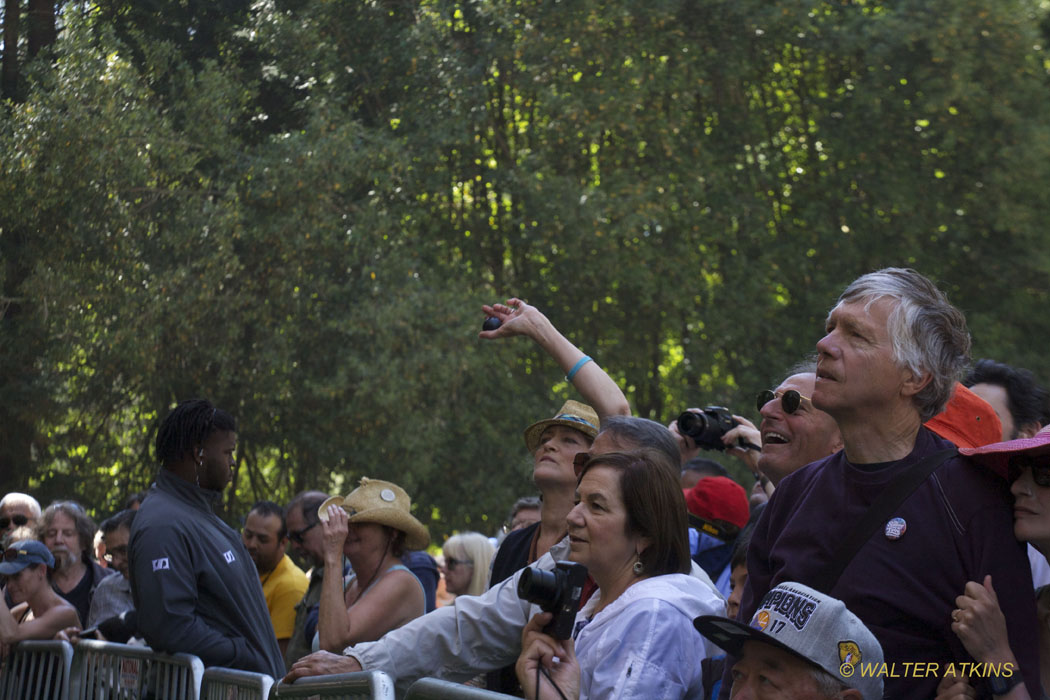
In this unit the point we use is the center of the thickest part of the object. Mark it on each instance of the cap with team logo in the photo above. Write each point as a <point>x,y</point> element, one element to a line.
<point>809,625</point>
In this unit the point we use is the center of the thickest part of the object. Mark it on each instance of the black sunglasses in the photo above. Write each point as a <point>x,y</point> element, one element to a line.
<point>451,563</point>
<point>297,535</point>
<point>19,520</point>
<point>789,400</point>
<point>1040,469</point>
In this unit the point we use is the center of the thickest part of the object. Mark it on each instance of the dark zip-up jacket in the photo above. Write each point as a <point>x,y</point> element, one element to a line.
<point>195,587</point>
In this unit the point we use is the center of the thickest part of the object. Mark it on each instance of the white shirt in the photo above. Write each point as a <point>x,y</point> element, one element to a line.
<point>644,645</point>
<point>475,634</point>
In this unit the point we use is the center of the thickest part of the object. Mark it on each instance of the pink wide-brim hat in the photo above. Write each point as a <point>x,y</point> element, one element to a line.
<point>997,455</point>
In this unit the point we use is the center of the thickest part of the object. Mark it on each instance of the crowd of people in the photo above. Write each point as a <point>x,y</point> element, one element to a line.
<point>893,543</point>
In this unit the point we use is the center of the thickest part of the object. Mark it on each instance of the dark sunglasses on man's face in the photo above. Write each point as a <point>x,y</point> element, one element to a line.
<point>790,400</point>
<point>297,535</point>
<point>1040,467</point>
<point>19,520</point>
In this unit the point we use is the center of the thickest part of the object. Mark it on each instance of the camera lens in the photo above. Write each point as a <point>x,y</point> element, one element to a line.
<point>539,587</point>
<point>692,424</point>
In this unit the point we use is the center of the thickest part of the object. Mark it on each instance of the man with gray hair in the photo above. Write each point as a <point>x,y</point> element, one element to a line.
<point>893,350</point>
<point>18,510</point>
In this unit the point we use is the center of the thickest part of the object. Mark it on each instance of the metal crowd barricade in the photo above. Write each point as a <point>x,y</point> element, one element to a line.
<point>437,689</point>
<point>37,670</point>
<point>363,685</point>
<point>107,671</point>
<point>231,684</point>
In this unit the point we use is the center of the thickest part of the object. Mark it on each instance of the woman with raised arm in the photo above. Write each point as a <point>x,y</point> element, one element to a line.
<point>371,527</point>
<point>634,638</point>
<point>553,442</point>
<point>39,612</point>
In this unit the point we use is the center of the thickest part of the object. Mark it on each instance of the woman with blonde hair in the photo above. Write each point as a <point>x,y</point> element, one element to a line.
<point>467,559</point>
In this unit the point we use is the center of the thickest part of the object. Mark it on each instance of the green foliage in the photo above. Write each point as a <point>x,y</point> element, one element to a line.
<point>298,212</point>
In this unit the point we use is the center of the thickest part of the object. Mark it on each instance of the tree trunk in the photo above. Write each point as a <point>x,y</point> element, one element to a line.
<point>41,30</point>
<point>9,69</point>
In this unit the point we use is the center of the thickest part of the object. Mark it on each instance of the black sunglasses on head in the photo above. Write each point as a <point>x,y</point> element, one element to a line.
<point>1040,467</point>
<point>11,554</point>
<point>790,400</point>
<point>19,520</point>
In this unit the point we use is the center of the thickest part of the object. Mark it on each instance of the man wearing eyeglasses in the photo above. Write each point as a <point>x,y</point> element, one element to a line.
<point>893,350</point>
<point>308,544</point>
<point>113,595</point>
<point>17,510</point>
<point>794,431</point>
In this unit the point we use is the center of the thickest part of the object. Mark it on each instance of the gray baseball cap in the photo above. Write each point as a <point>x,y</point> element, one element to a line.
<point>810,625</point>
<point>19,555</point>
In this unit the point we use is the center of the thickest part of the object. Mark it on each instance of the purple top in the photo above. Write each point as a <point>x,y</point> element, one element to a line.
<point>957,527</point>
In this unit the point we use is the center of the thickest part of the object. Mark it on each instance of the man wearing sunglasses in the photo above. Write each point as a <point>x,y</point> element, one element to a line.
<point>308,545</point>
<point>893,351</point>
<point>17,510</point>
<point>794,431</point>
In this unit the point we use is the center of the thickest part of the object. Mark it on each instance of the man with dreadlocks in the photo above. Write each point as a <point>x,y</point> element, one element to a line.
<point>195,587</point>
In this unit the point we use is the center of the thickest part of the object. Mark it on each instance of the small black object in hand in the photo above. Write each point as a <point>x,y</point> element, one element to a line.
<point>491,323</point>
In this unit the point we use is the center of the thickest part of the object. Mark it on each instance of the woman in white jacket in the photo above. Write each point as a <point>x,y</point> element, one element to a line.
<point>634,638</point>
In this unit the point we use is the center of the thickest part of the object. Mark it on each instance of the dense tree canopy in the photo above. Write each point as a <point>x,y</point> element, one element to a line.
<point>297,207</point>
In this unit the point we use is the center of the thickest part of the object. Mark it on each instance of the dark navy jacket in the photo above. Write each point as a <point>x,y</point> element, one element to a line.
<point>195,587</point>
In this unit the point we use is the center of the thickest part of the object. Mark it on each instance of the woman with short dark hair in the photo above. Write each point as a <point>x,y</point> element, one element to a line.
<point>634,638</point>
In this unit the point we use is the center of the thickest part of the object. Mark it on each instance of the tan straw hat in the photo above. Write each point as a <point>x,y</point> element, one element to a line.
<point>573,414</point>
<point>383,503</point>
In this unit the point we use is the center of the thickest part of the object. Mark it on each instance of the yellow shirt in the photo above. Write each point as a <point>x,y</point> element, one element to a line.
<point>283,588</point>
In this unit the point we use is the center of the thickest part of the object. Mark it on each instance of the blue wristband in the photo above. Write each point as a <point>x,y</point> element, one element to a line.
<point>576,368</point>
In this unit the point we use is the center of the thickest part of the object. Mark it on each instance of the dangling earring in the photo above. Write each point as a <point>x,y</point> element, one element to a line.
<point>638,567</point>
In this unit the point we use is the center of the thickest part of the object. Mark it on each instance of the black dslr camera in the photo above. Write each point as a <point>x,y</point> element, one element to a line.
<point>557,592</point>
<point>707,427</point>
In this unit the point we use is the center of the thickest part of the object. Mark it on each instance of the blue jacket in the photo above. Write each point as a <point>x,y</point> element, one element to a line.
<point>195,587</point>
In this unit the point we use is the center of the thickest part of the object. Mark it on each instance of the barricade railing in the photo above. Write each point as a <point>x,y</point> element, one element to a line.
<point>231,684</point>
<point>36,670</point>
<point>108,671</point>
<point>363,685</point>
<point>437,689</point>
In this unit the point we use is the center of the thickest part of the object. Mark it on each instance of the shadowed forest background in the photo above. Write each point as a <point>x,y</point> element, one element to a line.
<point>296,208</point>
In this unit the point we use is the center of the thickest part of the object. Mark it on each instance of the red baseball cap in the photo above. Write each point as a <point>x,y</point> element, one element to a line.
<point>967,420</point>
<point>718,498</point>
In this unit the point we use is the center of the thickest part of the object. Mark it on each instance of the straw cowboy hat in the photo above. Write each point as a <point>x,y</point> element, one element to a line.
<point>573,414</point>
<point>383,503</point>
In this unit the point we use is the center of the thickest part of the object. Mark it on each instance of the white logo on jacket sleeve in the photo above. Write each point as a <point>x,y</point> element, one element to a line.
<point>228,556</point>
<point>161,563</point>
